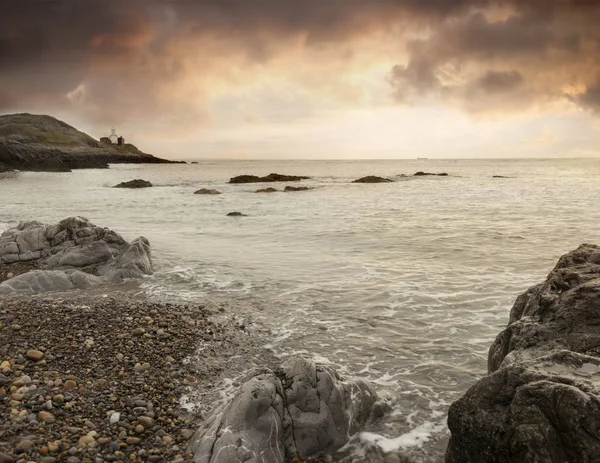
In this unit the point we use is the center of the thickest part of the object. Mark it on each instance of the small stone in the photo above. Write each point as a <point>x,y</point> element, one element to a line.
<point>139,429</point>
<point>22,381</point>
<point>16,396</point>
<point>34,355</point>
<point>89,424</point>
<point>138,331</point>
<point>115,417</point>
<point>25,445</point>
<point>146,421</point>
<point>119,357</point>
<point>70,384</point>
<point>73,460</point>
<point>53,447</point>
<point>44,450</point>
<point>4,458</point>
<point>58,399</point>
<point>46,416</point>
<point>190,379</point>
<point>48,460</point>
<point>167,440</point>
<point>85,441</point>
<point>133,440</point>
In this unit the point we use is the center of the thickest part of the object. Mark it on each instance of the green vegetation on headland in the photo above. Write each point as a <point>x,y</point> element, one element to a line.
<point>43,143</point>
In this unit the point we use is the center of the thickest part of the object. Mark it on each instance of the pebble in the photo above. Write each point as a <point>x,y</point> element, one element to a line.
<point>146,421</point>
<point>58,399</point>
<point>25,445</point>
<point>138,331</point>
<point>48,460</point>
<point>4,458</point>
<point>46,417</point>
<point>115,417</point>
<point>34,355</point>
<point>70,384</point>
<point>133,440</point>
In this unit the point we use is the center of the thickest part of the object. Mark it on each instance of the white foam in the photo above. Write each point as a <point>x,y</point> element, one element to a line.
<point>414,438</point>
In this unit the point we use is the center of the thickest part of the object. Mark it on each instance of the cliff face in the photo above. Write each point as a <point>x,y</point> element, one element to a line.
<point>35,142</point>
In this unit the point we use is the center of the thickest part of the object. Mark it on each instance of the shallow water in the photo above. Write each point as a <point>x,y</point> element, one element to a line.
<point>405,283</point>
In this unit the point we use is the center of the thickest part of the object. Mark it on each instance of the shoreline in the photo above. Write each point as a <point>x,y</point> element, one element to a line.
<point>119,377</point>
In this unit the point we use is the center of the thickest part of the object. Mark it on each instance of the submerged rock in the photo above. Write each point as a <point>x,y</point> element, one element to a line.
<point>267,190</point>
<point>71,254</point>
<point>300,410</point>
<point>372,179</point>
<point>541,400</point>
<point>421,174</point>
<point>296,188</point>
<point>207,191</point>
<point>137,183</point>
<point>499,176</point>
<point>236,214</point>
<point>269,178</point>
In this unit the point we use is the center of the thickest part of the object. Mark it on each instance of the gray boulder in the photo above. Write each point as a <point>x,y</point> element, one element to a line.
<point>137,183</point>
<point>541,400</point>
<point>299,410</point>
<point>69,255</point>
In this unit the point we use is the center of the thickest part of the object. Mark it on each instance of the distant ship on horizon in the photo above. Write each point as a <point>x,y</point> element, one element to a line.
<point>422,158</point>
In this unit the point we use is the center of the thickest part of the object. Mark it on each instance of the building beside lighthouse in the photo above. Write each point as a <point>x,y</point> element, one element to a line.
<point>113,139</point>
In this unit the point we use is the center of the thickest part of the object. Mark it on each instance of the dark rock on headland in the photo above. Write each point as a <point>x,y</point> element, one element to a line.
<point>207,191</point>
<point>299,410</point>
<point>422,174</point>
<point>267,190</point>
<point>236,214</point>
<point>43,143</point>
<point>372,179</point>
<point>71,254</point>
<point>137,183</point>
<point>268,178</point>
<point>541,399</point>
<point>296,188</point>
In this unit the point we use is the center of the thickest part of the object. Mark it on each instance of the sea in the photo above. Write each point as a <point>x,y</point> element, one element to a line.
<point>405,284</point>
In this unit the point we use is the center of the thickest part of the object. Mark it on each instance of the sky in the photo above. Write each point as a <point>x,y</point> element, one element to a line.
<point>312,79</point>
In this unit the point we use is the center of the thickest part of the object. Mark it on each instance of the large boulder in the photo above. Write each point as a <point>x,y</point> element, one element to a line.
<point>71,254</point>
<point>207,191</point>
<point>541,399</point>
<point>300,410</point>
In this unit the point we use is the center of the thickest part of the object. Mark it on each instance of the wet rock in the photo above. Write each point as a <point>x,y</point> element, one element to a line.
<point>236,214</point>
<point>541,398</point>
<point>269,178</point>
<point>207,191</point>
<point>423,174</point>
<point>372,179</point>
<point>302,409</point>
<point>267,190</point>
<point>137,183</point>
<point>288,189</point>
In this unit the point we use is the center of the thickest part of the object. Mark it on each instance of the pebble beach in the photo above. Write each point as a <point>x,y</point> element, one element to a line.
<point>86,379</point>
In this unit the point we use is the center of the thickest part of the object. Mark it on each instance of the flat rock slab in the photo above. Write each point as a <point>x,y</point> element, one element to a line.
<point>268,178</point>
<point>372,179</point>
<point>137,183</point>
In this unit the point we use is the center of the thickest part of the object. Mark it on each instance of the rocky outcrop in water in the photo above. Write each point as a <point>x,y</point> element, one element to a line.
<point>71,254</point>
<point>268,178</point>
<point>372,179</point>
<point>288,189</point>
<point>541,398</point>
<point>207,191</point>
<point>236,214</point>
<point>424,174</point>
<point>301,409</point>
<point>267,190</point>
<point>137,183</point>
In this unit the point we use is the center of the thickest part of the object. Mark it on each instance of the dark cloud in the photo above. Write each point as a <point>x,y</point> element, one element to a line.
<point>498,81</point>
<point>532,52</point>
<point>112,60</point>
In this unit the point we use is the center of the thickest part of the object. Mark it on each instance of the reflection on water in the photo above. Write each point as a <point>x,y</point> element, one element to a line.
<point>405,283</point>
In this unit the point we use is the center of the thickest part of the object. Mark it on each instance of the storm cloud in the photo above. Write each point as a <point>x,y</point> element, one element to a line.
<point>168,61</point>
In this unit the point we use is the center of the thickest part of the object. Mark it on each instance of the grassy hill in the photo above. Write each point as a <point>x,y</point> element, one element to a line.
<point>39,142</point>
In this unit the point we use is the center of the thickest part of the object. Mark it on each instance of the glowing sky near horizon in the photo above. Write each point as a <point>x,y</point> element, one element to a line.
<point>318,79</point>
